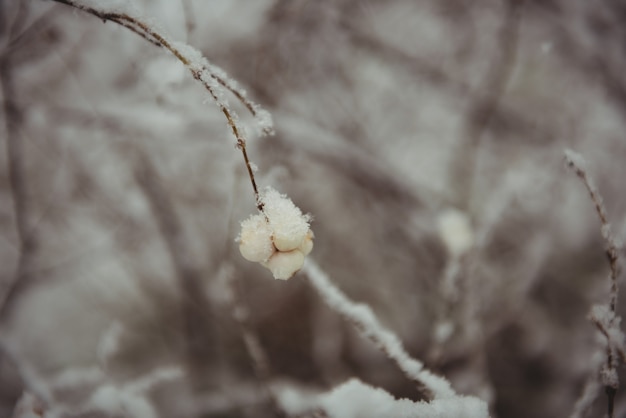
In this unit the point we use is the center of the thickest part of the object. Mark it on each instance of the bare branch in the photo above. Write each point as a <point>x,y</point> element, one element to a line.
<point>604,318</point>
<point>577,163</point>
<point>210,76</point>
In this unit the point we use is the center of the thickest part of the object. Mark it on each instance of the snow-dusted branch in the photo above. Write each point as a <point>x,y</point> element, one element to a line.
<point>604,317</point>
<point>577,163</point>
<point>213,78</point>
<point>364,320</point>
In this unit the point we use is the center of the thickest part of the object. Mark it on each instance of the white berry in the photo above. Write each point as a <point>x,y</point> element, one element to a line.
<point>284,265</point>
<point>307,244</point>
<point>279,237</point>
<point>255,242</point>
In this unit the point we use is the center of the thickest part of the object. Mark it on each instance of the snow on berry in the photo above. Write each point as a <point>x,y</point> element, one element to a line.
<point>279,237</point>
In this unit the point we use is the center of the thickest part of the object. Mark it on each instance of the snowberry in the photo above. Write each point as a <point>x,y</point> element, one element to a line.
<point>279,237</point>
<point>255,242</point>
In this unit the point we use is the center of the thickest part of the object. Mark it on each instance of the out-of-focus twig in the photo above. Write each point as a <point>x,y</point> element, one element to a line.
<point>200,334</point>
<point>16,174</point>
<point>483,107</point>
<point>190,22</point>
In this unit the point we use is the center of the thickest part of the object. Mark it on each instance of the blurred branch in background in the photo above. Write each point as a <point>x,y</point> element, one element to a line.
<point>482,107</point>
<point>15,162</point>
<point>199,331</point>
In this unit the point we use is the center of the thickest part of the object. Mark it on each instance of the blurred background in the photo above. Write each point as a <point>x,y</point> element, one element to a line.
<point>426,139</point>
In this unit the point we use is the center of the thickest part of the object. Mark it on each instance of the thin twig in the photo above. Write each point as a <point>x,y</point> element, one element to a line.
<point>190,22</point>
<point>619,349</point>
<point>210,76</point>
<point>614,350</point>
<point>577,163</point>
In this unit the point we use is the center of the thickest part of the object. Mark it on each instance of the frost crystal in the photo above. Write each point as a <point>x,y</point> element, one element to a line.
<point>279,238</point>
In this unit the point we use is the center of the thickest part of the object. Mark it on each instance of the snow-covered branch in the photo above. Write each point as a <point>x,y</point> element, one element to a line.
<point>363,319</point>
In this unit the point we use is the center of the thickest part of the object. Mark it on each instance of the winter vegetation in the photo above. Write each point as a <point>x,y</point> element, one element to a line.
<point>331,208</point>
